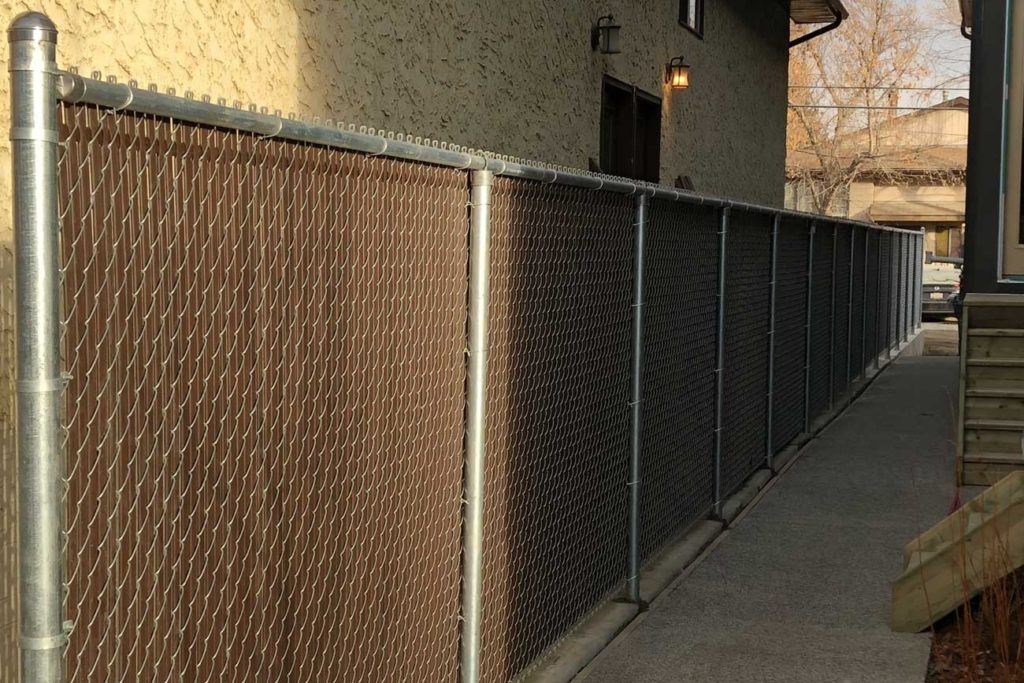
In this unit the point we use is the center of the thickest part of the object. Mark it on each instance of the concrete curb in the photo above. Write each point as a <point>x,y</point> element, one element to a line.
<point>584,643</point>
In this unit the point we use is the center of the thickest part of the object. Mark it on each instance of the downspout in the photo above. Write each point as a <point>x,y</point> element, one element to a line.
<point>1004,135</point>
<point>821,31</point>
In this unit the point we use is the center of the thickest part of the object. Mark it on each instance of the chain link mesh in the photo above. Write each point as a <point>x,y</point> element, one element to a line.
<point>790,332</point>
<point>856,356</point>
<point>680,329</point>
<point>904,286</point>
<point>872,316</point>
<point>265,416</point>
<point>840,311</point>
<point>885,291</point>
<point>821,319</point>
<point>901,285</point>
<point>558,416</point>
<point>747,320</point>
<point>266,343</point>
<point>893,261</point>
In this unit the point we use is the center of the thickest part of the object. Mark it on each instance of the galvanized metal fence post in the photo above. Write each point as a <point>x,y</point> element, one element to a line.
<point>911,280</point>
<point>905,287</point>
<point>476,412</point>
<point>34,140</point>
<point>912,296</point>
<point>720,361</point>
<point>890,287</point>
<point>639,230</point>
<point>807,326</point>
<point>769,443</point>
<point>919,281</point>
<point>916,287</point>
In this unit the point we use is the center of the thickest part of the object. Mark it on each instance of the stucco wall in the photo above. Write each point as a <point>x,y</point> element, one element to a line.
<point>517,78</point>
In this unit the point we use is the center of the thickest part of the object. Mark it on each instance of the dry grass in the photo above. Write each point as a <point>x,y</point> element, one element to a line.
<point>984,639</point>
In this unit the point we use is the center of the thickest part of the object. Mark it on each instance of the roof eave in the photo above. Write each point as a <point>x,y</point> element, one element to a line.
<point>816,11</point>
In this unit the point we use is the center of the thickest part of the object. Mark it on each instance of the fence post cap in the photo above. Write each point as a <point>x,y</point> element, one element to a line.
<point>32,26</point>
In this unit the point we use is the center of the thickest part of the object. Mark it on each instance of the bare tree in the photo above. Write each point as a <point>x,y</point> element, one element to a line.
<point>848,86</point>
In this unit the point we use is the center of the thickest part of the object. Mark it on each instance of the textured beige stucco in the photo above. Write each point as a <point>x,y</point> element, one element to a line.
<point>517,78</point>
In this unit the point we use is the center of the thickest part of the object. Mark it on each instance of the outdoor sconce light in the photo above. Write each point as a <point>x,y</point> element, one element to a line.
<point>677,74</point>
<point>605,36</point>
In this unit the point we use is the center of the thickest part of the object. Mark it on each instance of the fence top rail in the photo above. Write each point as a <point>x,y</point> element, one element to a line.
<point>74,88</point>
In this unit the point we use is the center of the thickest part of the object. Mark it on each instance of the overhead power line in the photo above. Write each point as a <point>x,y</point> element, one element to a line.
<point>875,108</point>
<point>878,87</point>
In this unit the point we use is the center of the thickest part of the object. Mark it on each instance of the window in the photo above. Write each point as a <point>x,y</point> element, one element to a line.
<point>947,241</point>
<point>691,15</point>
<point>630,131</point>
<point>942,236</point>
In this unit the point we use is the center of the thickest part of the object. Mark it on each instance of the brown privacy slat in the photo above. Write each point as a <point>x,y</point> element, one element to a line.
<point>265,416</point>
<point>557,416</point>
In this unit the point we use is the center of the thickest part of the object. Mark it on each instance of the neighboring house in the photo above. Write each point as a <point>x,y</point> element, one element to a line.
<point>911,174</point>
<point>517,78</point>
<point>994,250</point>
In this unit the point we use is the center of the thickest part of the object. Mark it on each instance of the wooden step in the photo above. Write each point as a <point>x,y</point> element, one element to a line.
<point>991,441</point>
<point>986,473</point>
<point>1001,425</point>
<point>994,404</point>
<point>997,362</point>
<point>997,299</point>
<point>995,377</point>
<point>995,347</point>
<point>996,393</point>
<point>953,561</point>
<point>995,332</point>
<point>995,457</point>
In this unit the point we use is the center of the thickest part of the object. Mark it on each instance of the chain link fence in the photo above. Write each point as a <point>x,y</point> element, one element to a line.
<point>842,288</point>
<point>872,304</point>
<point>265,342</point>
<point>821,321</point>
<point>790,334</point>
<point>558,416</point>
<point>855,361</point>
<point>748,257</point>
<point>265,426</point>
<point>677,467</point>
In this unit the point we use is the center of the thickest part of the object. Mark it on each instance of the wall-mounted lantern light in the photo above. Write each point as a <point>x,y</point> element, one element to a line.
<point>604,36</point>
<point>677,74</point>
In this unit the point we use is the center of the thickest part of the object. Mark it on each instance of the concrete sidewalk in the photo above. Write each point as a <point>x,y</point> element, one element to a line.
<point>798,588</point>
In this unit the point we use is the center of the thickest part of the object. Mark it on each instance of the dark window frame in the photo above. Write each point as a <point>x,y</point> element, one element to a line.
<point>698,29</point>
<point>647,150</point>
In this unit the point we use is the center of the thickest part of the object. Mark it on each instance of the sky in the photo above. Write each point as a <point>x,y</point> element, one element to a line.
<point>952,52</point>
